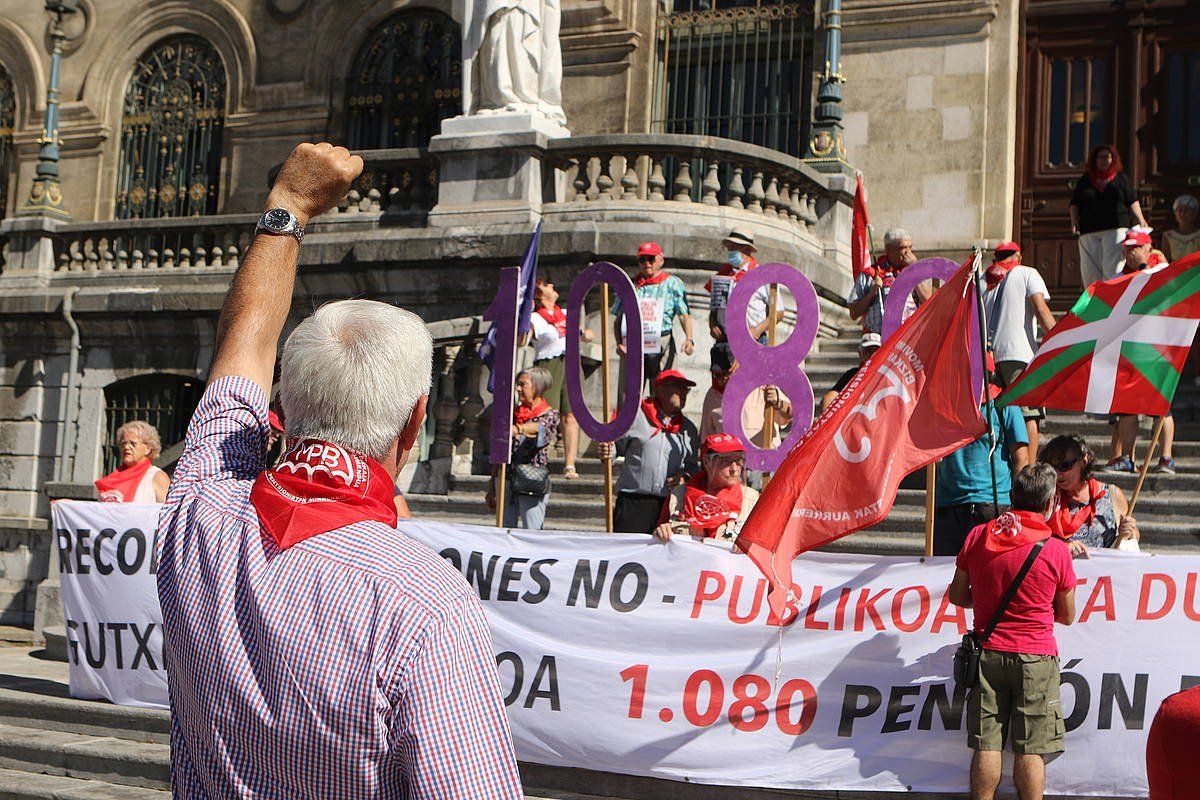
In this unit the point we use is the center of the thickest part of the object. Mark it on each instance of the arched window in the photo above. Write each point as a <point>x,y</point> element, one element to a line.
<point>406,78</point>
<point>165,401</point>
<point>171,132</point>
<point>8,117</point>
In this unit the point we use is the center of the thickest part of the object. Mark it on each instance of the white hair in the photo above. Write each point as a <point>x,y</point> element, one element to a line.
<point>145,431</point>
<point>895,236</point>
<point>1186,201</point>
<point>541,378</point>
<point>352,374</point>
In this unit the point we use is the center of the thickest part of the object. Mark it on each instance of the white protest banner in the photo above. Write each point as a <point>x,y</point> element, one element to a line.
<point>107,561</point>
<point>621,654</point>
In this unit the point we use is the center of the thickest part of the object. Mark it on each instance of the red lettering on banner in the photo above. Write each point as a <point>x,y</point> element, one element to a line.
<point>898,607</point>
<point>1101,600</point>
<point>735,594</point>
<point>866,605</point>
<point>948,612</point>
<point>839,617</point>
<point>703,593</point>
<point>1168,584</point>
<point>810,614</point>
<point>1189,598</point>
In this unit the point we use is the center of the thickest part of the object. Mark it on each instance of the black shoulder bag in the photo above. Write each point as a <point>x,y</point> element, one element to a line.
<point>966,657</point>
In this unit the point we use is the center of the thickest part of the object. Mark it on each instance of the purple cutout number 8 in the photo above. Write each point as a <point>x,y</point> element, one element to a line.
<point>780,366</point>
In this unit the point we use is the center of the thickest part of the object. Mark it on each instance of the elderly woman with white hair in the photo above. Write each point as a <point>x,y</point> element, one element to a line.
<point>714,503</point>
<point>527,492</point>
<point>872,285</point>
<point>1184,239</point>
<point>136,480</point>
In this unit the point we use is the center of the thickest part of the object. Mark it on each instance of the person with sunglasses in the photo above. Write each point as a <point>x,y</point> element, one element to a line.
<point>1087,513</point>
<point>713,503</point>
<point>662,298</point>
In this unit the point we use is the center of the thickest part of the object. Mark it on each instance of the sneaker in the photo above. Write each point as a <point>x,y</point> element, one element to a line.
<point>1166,465</point>
<point>1121,464</point>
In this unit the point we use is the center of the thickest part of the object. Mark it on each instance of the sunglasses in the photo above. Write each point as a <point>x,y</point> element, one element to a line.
<point>646,259</point>
<point>1063,466</point>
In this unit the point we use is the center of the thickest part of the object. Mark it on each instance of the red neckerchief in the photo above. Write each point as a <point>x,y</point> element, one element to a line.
<point>884,269</point>
<point>642,280</point>
<point>670,425</point>
<point>1155,261</point>
<point>523,413</point>
<point>1014,529</point>
<point>1064,523</point>
<point>998,271</point>
<point>319,487</point>
<point>727,270</point>
<point>120,485</point>
<point>1101,180</point>
<point>707,512</point>
<point>556,317</point>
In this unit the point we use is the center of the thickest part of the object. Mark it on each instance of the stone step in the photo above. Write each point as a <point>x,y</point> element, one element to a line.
<point>103,758</point>
<point>68,715</point>
<point>20,785</point>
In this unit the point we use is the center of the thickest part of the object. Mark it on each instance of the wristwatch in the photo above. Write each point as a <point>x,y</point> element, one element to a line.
<point>280,222</point>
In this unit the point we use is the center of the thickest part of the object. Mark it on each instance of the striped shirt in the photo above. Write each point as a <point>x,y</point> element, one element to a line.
<point>355,664</point>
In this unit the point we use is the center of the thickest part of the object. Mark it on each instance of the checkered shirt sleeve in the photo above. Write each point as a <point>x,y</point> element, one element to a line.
<point>227,437</point>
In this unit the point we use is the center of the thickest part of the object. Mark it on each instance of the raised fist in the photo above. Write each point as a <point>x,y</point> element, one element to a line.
<point>313,179</point>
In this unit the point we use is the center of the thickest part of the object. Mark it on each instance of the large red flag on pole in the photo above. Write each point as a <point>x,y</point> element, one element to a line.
<point>860,243</point>
<point>916,400</point>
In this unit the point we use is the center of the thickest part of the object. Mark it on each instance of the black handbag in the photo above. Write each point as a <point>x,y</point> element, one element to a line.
<point>966,657</point>
<point>530,480</point>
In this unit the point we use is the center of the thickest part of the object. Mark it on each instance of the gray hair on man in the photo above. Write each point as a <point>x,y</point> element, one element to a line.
<point>352,374</point>
<point>896,236</point>
<point>541,378</point>
<point>147,432</point>
<point>1186,201</point>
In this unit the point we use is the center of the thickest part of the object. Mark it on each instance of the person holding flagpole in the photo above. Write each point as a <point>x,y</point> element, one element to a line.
<point>662,298</point>
<point>534,422</point>
<point>872,285</point>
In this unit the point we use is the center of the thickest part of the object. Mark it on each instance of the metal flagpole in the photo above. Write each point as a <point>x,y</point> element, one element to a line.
<point>984,349</point>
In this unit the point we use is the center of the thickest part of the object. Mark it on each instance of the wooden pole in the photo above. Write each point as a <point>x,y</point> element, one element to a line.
<point>500,488</point>
<point>1158,424</point>
<point>608,470</point>
<point>768,432</point>
<point>930,492</point>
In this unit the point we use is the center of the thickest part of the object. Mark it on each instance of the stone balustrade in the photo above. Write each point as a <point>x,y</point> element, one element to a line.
<point>400,182</point>
<point>152,244</point>
<point>704,170</point>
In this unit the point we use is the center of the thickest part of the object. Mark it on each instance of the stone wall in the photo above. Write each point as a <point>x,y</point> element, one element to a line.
<point>931,116</point>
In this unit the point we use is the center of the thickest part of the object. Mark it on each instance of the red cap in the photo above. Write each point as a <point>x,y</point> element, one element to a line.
<point>672,375</point>
<point>722,443</point>
<point>1135,238</point>
<point>1007,247</point>
<point>275,422</point>
<point>649,249</point>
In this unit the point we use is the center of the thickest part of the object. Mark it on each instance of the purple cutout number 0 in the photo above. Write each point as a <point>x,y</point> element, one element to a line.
<point>760,365</point>
<point>615,277</point>
<point>941,269</point>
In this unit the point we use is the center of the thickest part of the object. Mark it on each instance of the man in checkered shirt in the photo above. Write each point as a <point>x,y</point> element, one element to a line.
<point>314,651</point>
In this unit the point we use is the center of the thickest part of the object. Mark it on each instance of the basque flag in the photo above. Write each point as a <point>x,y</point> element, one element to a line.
<point>528,282</point>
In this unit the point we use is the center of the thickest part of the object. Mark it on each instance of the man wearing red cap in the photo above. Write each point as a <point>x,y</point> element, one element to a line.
<point>1016,699</point>
<point>713,503</point>
<point>660,451</point>
<point>1140,255</point>
<point>661,297</point>
<point>1015,303</point>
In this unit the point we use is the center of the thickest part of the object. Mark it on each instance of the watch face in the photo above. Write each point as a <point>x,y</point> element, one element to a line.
<point>277,219</point>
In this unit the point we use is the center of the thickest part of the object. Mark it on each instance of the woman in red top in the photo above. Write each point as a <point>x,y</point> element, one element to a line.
<point>713,503</point>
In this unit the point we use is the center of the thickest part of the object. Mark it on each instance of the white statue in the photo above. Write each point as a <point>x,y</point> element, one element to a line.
<point>515,58</point>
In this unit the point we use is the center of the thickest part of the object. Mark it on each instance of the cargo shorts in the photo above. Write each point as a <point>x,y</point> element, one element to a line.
<point>1016,701</point>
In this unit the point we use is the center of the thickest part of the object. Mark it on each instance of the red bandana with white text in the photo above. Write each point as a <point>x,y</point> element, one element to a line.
<point>708,512</point>
<point>1014,529</point>
<point>319,487</point>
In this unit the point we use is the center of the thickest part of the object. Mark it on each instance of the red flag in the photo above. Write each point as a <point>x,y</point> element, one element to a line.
<point>860,245</point>
<point>916,400</point>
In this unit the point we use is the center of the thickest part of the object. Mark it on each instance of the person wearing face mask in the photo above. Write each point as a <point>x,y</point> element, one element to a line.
<point>1087,513</point>
<point>713,503</point>
<point>739,260</point>
<point>136,480</point>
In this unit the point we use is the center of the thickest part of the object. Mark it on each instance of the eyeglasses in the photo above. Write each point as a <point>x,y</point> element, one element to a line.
<point>1063,466</point>
<point>646,259</point>
<point>730,459</point>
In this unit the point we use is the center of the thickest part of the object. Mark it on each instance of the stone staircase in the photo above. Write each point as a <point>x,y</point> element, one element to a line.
<point>1168,510</point>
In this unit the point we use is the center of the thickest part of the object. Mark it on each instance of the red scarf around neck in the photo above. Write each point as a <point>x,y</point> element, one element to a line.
<point>998,271</point>
<point>884,269</point>
<point>120,485</point>
<point>1014,529</point>
<point>1064,522</point>
<point>642,280</point>
<point>556,317</point>
<point>669,425</point>
<point>523,413</point>
<point>708,512</point>
<point>1155,261</point>
<point>319,487</point>
<point>1101,180</point>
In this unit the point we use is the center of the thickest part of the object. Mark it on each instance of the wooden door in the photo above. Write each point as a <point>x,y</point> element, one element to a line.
<point>1169,135</point>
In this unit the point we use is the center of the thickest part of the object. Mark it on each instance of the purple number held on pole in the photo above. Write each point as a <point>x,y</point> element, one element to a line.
<point>502,313</point>
<point>760,365</point>
<point>941,269</point>
<point>615,277</point>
